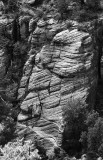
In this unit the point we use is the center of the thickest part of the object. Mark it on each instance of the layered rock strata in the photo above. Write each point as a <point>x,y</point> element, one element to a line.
<point>64,68</point>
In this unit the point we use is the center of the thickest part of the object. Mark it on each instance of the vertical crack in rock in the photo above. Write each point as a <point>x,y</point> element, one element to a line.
<point>23,88</point>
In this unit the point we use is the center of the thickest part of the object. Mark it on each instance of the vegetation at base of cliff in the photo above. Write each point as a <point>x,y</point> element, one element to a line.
<point>83,132</point>
<point>74,116</point>
<point>30,151</point>
<point>92,138</point>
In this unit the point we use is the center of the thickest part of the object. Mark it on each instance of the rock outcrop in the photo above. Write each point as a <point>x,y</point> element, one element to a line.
<point>56,71</point>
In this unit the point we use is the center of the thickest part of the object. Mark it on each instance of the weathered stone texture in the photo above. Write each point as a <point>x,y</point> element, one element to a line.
<point>3,63</point>
<point>63,69</point>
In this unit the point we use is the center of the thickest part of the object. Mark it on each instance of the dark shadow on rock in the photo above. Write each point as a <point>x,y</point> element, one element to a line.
<point>99,95</point>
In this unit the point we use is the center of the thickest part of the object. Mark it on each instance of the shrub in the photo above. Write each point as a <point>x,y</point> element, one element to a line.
<point>85,16</point>
<point>15,150</point>
<point>92,138</point>
<point>83,130</point>
<point>7,133</point>
<point>69,25</point>
<point>62,6</point>
<point>12,5</point>
<point>7,121</point>
<point>74,116</point>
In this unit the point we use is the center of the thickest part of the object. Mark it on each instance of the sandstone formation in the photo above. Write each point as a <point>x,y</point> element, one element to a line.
<point>61,65</point>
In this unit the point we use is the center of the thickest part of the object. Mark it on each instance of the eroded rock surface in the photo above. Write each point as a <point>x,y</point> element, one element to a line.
<point>63,69</point>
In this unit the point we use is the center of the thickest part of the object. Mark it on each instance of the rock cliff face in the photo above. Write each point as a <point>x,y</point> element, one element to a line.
<point>11,64</point>
<point>62,64</point>
<point>8,89</point>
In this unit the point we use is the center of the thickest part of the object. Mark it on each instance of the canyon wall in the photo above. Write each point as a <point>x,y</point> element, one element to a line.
<point>61,65</point>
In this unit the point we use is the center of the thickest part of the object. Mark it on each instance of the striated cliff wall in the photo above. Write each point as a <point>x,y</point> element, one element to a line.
<point>62,64</point>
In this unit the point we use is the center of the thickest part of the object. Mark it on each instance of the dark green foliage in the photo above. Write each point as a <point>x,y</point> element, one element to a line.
<point>92,138</point>
<point>6,120</point>
<point>62,6</point>
<point>74,116</point>
<point>83,132</point>
<point>21,49</point>
<point>12,5</point>
<point>85,15</point>
<point>8,132</point>
<point>55,154</point>
<point>41,149</point>
<point>9,48</point>
<point>69,25</point>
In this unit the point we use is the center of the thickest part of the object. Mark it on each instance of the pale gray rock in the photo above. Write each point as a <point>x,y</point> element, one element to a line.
<point>3,63</point>
<point>25,78</point>
<point>28,1</point>
<point>41,23</point>
<point>65,69</point>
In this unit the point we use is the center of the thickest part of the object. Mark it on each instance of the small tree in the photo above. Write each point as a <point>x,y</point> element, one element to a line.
<point>8,132</point>
<point>74,117</point>
<point>92,138</point>
<point>12,5</point>
<point>62,6</point>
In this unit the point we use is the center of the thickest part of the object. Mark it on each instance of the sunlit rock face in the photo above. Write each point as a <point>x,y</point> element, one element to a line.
<point>3,64</point>
<point>64,68</point>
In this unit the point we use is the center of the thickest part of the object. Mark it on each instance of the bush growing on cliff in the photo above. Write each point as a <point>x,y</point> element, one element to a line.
<point>6,120</point>
<point>74,116</point>
<point>83,130</point>
<point>7,133</point>
<point>62,6</point>
<point>12,6</point>
<point>83,15</point>
<point>92,138</point>
<point>29,151</point>
<point>15,150</point>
